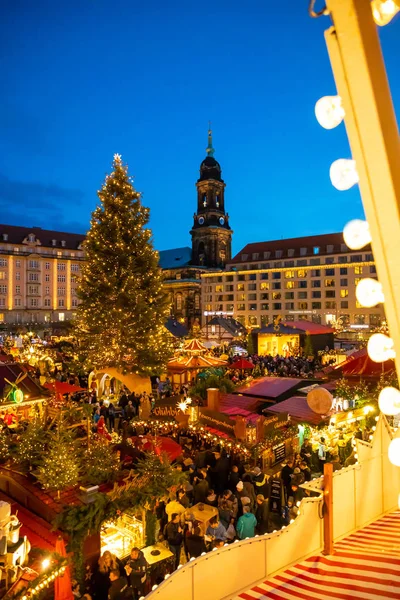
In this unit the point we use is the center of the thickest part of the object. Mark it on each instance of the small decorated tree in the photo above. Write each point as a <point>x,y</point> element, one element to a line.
<point>31,444</point>
<point>4,446</point>
<point>59,467</point>
<point>100,463</point>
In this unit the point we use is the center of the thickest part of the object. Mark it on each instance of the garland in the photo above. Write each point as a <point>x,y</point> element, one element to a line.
<point>40,584</point>
<point>279,436</point>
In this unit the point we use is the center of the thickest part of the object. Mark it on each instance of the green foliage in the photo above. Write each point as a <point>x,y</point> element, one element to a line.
<point>224,384</point>
<point>59,465</point>
<point>31,444</point>
<point>250,344</point>
<point>100,463</point>
<point>308,347</point>
<point>120,321</point>
<point>4,446</point>
<point>151,526</point>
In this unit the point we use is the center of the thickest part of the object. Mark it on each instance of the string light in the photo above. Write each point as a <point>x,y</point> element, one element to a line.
<point>329,111</point>
<point>356,234</point>
<point>343,174</point>
<point>369,292</point>
<point>380,347</point>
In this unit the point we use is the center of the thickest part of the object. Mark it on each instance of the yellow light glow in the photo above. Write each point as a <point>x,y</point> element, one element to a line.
<point>343,174</point>
<point>383,11</point>
<point>356,234</point>
<point>45,563</point>
<point>389,401</point>
<point>369,292</point>
<point>329,111</point>
<point>380,347</point>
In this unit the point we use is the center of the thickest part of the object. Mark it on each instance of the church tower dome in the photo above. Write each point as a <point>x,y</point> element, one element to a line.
<point>211,232</point>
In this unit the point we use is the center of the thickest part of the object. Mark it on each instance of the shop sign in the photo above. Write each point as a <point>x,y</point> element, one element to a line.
<point>279,453</point>
<point>217,420</point>
<point>166,409</point>
<point>273,422</point>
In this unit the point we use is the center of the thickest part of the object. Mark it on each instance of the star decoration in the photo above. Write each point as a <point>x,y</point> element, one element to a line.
<point>117,157</point>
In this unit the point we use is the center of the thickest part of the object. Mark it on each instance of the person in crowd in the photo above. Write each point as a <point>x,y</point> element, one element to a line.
<point>136,571</point>
<point>174,537</point>
<point>322,454</point>
<point>96,416</point>
<point>102,429</point>
<point>215,530</point>
<point>306,451</point>
<point>174,507</point>
<point>219,473</point>
<point>246,524</point>
<point>246,489</point>
<point>212,499</point>
<point>262,514</point>
<point>231,531</point>
<point>200,488</point>
<point>341,445</point>
<point>183,498</point>
<point>286,475</point>
<point>232,502</point>
<point>107,562</point>
<point>123,401</point>
<point>304,468</point>
<point>260,481</point>
<point>334,459</point>
<point>130,410</point>
<point>118,589</point>
<point>195,543</point>
<point>234,478</point>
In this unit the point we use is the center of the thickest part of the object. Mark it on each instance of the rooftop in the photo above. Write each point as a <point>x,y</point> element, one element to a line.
<point>314,245</point>
<point>14,234</point>
<point>175,258</point>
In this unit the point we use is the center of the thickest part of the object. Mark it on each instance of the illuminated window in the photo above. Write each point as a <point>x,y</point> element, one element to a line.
<point>1,317</point>
<point>316,250</point>
<point>252,320</point>
<point>356,280</point>
<point>301,273</point>
<point>358,305</point>
<point>61,316</point>
<point>197,301</point>
<point>344,293</point>
<point>208,307</point>
<point>358,270</point>
<point>289,274</point>
<point>276,295</point>
<point>179,302</point>
<point>264,285</point>
<point>59,253</point>
<point>303,305</point>
<point>241,307</point>
<point>359,319</point>
<point>3,275</point>
<point>290,285</point>
<point>329,283</point>
<point>241,296</point>
<point>240,287</point>
<point>265,306</point>
<point>219,288</point>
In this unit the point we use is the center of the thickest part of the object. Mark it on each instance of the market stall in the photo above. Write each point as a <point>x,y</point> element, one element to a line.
<point>190,361</point>
<point>122,534</point>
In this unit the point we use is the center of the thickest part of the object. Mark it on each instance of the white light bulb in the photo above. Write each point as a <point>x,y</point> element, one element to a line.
<point>329,111</point>
<point>394,450</point>
<point>343,174</point>
<point>380,347</point>
<point>383,11</point>
<point>369,292</point>
<point>389,401</point>
<point>356,234</point>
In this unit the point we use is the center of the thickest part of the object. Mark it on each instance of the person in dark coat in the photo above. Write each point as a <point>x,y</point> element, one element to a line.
<point>220,473</point>
<point>119,586</point>
<point>260,482</point>
<point>262,514</point>
<point>306,452</point>
<point>174,537</point>
<point>305,470</point>
<point>136,570</point>
<point>195,543</point>
<point>200,489</point>
<point>286,475</point>
<point>107,562</point>
<point>234,478</point>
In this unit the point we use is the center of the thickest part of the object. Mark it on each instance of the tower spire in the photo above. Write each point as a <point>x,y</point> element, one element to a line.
<point>210,149</point>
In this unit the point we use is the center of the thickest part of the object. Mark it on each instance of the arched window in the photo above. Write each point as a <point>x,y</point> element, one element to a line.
<point>204,199</point>
<point>178,301</point>
<point>222,251</point>
<point>197,301</point>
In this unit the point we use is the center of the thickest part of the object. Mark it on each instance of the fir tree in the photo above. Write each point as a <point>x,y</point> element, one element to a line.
<point>120,321</point>
<point>100,463</point>
<point>59,467</point>
<point>4,446</point>
<point>308,347</point>
<point>31,443</point>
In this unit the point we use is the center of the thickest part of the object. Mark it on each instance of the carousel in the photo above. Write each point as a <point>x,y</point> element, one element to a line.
<point>190,361</point>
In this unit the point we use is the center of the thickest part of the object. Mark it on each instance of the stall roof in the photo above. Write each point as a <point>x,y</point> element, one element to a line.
<point>359,363</point>
<point>311,327</point>
<point>298,409</point>
<point>275,388</point>
<point>11,371</point>
<point>244,406</point>
<point>177,329</point>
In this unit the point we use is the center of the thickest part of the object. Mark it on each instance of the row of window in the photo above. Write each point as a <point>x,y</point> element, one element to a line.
<point>266,306</point>
<point>35,264</point>
<point>374,320</point>
<point>343,293</point>
<point>34,317</point>
<point>35,302</point>
<point>300,274</point>
<point>329,260</point>
<point>34,289</point>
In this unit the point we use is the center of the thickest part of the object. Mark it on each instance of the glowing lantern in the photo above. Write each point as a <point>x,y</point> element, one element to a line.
<point>380,347</point>
<point>389,401</point>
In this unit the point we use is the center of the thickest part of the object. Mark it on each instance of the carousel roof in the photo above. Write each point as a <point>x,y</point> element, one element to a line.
<point>194,346</point>
<point>183,363</point>
<point>359,363</point>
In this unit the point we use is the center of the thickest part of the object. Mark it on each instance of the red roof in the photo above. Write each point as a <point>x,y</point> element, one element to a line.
<point>298,409</point>
<point>271,387</point>
<point>311,327</point>
<point>194,346</point>
<point>242,363</point>
<point>244,406</point>
<point>359,363</point>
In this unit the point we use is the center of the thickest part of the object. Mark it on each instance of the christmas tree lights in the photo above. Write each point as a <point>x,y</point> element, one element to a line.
<point>120,321</point>
<point>59,467</point>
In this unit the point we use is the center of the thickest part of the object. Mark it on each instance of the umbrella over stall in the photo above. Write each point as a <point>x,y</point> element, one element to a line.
<point>62,387</point>
<point>62,583</point>
<point>242,364</point>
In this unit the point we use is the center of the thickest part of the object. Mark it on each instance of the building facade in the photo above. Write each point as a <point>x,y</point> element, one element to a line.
<point>211,245</point>
<point>39,270</point>
<point>312,278</point>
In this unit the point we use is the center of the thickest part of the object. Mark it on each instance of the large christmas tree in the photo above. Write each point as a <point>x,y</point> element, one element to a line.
<point>120,322</point>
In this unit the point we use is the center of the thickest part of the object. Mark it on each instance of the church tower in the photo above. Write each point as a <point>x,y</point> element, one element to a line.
<point>211,232</point>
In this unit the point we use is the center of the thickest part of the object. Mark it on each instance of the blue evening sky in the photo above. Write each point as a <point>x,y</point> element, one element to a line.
<point>84,79</point>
